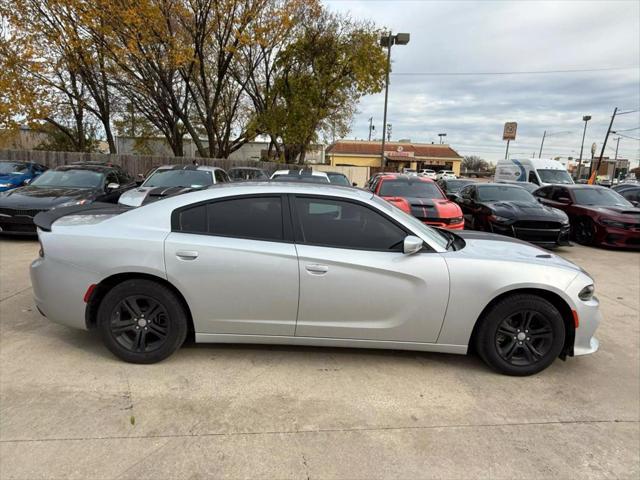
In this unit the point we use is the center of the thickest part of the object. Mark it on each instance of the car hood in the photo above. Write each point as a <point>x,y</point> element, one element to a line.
<point>143,195</point>
<point>632,212</point>
<point>489,246</point>
<point>33,197</point>
<point>431,207</point>
<point>12,177</point>
<point>524,210</point>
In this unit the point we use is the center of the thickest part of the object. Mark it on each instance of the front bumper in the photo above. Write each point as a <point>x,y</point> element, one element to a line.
<point>448,226</point>
<point>539,236</point>
<point>617,237</point>
<point>589,317</point>
<point>17,222</point>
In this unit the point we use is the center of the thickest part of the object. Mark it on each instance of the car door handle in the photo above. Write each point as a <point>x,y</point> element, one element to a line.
<point>316,269</point>
<point>187,254</point>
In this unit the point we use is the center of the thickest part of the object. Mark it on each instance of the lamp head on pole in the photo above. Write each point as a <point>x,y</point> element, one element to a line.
<point>586,118</point>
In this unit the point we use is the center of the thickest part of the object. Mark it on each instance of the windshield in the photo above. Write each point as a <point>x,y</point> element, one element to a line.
<point>179,178</point>
<point>338,179</point>
<point>416,225</point>
<point>554,176</point>
<point>246,174</point>
<point>80,178</point>
<point>499,193</point>
<point>11,167</point>
<point>454,186</point>
<point>405,188</point>
<point>601,197</point>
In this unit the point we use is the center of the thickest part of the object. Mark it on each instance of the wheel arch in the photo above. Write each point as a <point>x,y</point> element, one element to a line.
<point>105,285</point>
<point>556,300</point>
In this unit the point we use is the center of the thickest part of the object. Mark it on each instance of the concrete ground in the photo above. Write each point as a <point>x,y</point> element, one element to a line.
<point>69,409</point>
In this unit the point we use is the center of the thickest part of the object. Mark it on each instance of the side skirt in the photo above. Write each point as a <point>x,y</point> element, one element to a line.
<point>329,342</point>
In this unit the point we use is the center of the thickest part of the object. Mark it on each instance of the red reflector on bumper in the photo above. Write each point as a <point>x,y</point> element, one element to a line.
<point>576,320</point>
<point>89,292</point>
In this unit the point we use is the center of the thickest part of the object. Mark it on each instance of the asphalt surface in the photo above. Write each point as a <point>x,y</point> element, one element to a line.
<point>69,409</point>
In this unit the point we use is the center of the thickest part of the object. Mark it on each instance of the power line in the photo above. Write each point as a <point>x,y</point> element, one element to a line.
<point>626,136</point>
<point>532,72</point>
<point>630,111</point>
<point>628,129</point>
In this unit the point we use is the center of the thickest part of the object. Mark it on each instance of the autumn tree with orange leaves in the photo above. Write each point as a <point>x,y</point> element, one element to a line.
<point>219,72</point>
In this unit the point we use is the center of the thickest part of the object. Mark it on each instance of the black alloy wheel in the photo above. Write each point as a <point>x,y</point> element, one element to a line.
<point>521,334</point>
<point>584,231</point>
<point>139,323</point>
<point>142,321</point>
<point>524,338</point>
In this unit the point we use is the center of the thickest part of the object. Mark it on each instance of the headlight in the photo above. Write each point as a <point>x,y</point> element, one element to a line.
<point>612,223</point>
<point>6,185</point>
<point>456,220</point>
<point>499,219</point>
<point>586,293</point>
<point>72,203</point>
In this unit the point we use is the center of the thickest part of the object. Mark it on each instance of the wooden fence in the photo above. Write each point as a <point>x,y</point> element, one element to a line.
<point>134,164</point>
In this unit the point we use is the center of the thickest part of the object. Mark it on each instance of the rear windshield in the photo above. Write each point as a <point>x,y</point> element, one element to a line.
<point>507,193</point>
<point>554,176</point>
<point>600,196</point>
<point>338,179</point>
<point>246,174</point>
<point>70,178</point>
<point>405,188</point>
<point>179,178</point>
<point>456,185</point>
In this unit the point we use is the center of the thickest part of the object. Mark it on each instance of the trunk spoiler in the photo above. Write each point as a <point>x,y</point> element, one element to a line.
<point>44,220</point>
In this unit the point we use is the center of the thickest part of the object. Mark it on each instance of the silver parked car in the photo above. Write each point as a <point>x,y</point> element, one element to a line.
<point>307,264</point>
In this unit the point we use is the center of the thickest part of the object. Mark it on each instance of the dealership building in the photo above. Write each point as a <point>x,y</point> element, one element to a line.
<point>399,155</point>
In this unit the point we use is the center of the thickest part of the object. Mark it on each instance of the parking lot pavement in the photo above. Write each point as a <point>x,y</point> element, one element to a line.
<point>68,409</point>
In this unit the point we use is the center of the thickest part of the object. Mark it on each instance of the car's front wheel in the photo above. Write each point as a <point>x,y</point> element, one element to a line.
<point>142,321</point>
<point>584,231</point>
<point>520,335</point>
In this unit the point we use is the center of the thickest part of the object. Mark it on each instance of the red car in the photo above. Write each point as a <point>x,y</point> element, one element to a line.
<point>420,197</point>
<point>598,215</point>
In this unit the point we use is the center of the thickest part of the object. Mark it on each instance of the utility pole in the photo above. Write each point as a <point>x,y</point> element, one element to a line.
<point>593,174</point>
<point>542,144</point>
<point>371,127</point>
<point>389,126</point>
<point>617,145</point>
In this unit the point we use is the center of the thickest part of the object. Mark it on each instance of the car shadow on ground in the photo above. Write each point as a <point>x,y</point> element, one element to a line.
<point>91,343</point>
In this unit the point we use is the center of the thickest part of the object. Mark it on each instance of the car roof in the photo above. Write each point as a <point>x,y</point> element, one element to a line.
<point>246,168</point>
<point>94,167</point>
<point>406,178</point>
<point>188,167</point>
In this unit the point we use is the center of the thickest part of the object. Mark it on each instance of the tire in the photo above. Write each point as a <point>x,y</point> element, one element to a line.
<point>520,335</point>
<point>142,321</point>
<point>584,231</point>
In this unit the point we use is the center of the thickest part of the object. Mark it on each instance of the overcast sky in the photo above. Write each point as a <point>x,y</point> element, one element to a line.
<point>506,36</point>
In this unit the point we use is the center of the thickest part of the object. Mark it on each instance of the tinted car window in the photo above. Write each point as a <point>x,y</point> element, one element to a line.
<point>599,196</point>
<point>407,188</point>
<point>221,177</point>
<point>559,193</point>
<point>13,167</point>
<point>338,179</point>
<point>254,217</point>
<point>111,178</point>
<point>335,223</point>
<point>544,192</point>
<point>179,178</point>
<point>467,192</point>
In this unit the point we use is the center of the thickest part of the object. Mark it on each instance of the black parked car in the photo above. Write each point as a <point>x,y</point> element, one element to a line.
<point>511,210</point>
<point>630,191</point>
<point>75,184</point>
<point>451,186</point>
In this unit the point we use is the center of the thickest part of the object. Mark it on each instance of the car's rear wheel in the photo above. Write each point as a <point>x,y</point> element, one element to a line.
<point>520,335</point>
<point>142,321</point>
<point>584,231</point>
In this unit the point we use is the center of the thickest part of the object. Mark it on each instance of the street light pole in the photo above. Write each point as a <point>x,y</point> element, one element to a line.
<point>441,135</point>
<point>371,127</point>
<point>388,41</point>
<point>585,119</point>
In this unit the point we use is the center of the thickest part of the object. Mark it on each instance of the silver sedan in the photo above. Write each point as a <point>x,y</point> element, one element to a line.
<point>304,264</point>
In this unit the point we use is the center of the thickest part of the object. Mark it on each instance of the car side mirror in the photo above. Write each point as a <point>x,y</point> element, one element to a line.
<point>411,245</point>
<point>113,186</point>
<point>27,181</point>
<point>354,184</point>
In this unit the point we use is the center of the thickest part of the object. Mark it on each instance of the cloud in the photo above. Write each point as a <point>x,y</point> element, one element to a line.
<point>483,36</point>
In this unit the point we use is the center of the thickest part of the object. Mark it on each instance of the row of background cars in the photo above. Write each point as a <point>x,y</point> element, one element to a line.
<point>27,189</point>
<point>547,215</point>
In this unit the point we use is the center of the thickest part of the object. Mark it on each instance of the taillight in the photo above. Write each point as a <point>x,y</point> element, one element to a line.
<point>89,292</point>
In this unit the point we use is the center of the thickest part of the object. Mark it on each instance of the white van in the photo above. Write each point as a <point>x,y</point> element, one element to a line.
<point>541,171</point>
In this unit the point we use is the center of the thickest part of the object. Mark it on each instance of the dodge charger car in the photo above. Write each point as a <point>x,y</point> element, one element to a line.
<point>170,180</point>
<point>74,184</point>
<point>307,264</point>
<point>598,215</point>
<point>508,209</point>
<point>421,197</point>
